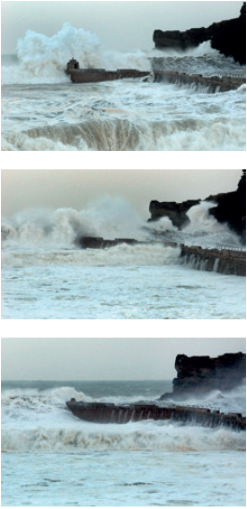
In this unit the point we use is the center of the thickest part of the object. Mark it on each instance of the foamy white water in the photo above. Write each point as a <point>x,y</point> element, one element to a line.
<point>50,457</point>
<point>46,275</point>
<point>43,110</point>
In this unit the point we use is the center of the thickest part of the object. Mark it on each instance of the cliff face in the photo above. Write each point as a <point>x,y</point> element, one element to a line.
<point>229,37</point>
<point>197,375</point>
<point>230,208</point>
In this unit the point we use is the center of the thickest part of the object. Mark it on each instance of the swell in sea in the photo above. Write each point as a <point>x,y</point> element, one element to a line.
<point>43,110</point>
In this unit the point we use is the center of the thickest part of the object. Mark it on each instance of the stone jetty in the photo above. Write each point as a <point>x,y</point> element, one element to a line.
<point>101,243</point>
<point>213,83</point>
<point>107,413</point>
<point>223,261</point>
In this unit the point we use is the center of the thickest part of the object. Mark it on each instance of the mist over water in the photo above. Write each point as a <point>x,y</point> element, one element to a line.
<point>43,110</point>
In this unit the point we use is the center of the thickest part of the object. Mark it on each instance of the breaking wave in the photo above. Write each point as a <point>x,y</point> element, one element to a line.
<point>107,132</point>
<point>43,59</point>
<point>38,421</point>
<point>143,436</point>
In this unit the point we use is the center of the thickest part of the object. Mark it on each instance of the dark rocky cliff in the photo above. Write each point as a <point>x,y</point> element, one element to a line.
<point>229,208</point>
<point>197,375</point>
<point>229,37</point>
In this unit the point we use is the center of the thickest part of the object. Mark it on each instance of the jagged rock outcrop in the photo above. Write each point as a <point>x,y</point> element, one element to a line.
<point>175,211</point>
<point>230,208</point>
<point>198,375</point>
<point>229,37</point>
<point>108,413</point>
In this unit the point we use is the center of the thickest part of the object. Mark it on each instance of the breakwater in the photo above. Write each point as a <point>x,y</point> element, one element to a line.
<point>213,83</point>
<point>106,413</point>
<point>224,261</point>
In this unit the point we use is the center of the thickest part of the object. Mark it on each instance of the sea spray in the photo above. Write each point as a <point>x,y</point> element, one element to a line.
<point>43,59</point>
<point>110,218</point>
<point>46,274</point>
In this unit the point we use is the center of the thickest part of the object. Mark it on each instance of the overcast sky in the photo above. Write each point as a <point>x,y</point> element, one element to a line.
<point>122,26</point>
<point>104,359</point>
<point>23,189</point>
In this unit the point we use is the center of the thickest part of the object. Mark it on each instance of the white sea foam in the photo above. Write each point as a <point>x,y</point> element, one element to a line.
<point>144,436</point>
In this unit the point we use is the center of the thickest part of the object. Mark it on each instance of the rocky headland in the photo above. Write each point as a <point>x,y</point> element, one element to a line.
<point>199,375</point>
<point>229,37</point>
<point>229,208</point>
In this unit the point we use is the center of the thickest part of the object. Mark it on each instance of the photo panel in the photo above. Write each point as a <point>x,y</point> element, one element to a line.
<point>123,276</point>
<point>136,244</point>
<point>123,422</point>
<point>123,76</point>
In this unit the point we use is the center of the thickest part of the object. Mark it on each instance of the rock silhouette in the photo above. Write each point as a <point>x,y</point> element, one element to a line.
<point>229,208</point>
<point>229,37</point>
<point>198,375</point>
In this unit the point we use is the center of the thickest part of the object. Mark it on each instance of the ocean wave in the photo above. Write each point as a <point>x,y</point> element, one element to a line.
<point>109,133</point>
<point>142,436</point>
<point>43,59</point>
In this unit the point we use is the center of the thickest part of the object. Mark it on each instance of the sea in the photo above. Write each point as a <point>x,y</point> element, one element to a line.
<point>46,275</point>
<point>52,458</point>
<point>43,111</point>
